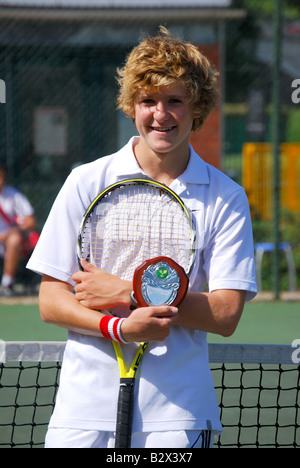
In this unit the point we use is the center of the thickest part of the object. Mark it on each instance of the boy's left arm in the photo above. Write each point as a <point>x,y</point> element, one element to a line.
<point>216,312</point>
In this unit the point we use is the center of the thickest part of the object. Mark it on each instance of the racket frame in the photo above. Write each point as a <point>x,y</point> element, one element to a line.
<point>141,182</point>
<point>126,395</point>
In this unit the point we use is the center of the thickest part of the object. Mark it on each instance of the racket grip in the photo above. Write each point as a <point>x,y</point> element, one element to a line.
<point>125,413</point>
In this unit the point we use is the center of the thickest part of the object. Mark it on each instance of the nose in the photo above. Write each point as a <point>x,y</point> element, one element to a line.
<point>161,111</point>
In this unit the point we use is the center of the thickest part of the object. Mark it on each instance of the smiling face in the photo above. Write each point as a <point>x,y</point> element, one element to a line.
<point>162,61</point>
<point>164,118</point>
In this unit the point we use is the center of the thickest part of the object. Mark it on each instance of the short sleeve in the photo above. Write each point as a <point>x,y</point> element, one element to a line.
<point>55,253</point>
<point>229,254</point>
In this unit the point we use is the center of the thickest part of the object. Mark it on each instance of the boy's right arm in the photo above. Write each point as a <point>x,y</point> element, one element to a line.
<point>59,306</point>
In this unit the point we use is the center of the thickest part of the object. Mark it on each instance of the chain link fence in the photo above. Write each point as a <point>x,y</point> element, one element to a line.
<point>58,95</point>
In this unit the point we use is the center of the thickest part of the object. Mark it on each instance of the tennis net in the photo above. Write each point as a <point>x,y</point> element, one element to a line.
<point>258,389</point>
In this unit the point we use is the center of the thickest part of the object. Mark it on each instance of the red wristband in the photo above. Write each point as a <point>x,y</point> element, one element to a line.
<point>103,325</point>
<point>110,328</point>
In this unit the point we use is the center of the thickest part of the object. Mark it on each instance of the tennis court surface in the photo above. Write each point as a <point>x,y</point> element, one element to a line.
<point>257,384</point>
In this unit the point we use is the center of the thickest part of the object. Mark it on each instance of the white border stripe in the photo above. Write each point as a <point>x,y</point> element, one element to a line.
<point>52,351</point>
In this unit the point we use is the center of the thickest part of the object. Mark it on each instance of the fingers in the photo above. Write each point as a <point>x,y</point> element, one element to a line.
<point>149,323</point>
<point>162,311</point>
<point>79,276</point>
<point>88,267</point>
<point>97,289</point>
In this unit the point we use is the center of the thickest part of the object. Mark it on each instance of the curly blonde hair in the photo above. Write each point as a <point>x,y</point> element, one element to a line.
<point>163,61</point>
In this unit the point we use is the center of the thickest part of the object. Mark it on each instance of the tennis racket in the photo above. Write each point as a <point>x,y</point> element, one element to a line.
<point>127,224</point>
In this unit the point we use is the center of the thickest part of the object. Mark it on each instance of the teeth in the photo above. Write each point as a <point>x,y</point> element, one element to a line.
<point>163,129</point>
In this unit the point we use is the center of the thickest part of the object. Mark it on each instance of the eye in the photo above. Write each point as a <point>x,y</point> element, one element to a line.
<point>175,101</point>
<point>146,100</point>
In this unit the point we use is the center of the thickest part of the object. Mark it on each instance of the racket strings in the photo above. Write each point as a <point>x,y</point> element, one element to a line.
<point>134,223</point>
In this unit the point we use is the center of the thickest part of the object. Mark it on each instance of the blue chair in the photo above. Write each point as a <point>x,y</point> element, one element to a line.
<point>261,248</point>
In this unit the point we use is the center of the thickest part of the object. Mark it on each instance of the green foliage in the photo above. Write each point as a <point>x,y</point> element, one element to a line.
<point>293,125</point>
<point>290,8</point>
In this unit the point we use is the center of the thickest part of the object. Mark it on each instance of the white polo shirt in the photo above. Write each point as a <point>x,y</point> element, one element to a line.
<point>15,205</point>
<point>174,390</point>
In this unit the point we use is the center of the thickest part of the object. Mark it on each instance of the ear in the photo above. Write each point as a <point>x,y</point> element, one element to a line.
<point>197,115</point>
<point>132,115</point>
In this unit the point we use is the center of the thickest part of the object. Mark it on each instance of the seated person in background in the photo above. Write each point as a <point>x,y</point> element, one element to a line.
<point>17,235</point>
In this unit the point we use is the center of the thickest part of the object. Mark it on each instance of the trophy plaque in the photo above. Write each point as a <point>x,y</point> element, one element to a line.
<point>160,281</point>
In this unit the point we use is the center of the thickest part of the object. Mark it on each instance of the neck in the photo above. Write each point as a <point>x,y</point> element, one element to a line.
<point>162,167</point>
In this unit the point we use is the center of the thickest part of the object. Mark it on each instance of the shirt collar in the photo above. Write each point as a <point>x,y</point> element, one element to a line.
<point>196,171</point>
<point>127,165</point>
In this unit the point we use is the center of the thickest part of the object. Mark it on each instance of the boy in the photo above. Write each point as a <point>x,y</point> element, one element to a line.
<point>168,88</point>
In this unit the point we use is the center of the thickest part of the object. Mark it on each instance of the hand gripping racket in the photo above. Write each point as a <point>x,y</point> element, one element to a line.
<point>128,223</point>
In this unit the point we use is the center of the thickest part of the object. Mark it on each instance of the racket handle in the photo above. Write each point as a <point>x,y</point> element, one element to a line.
<point>125,413</point>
